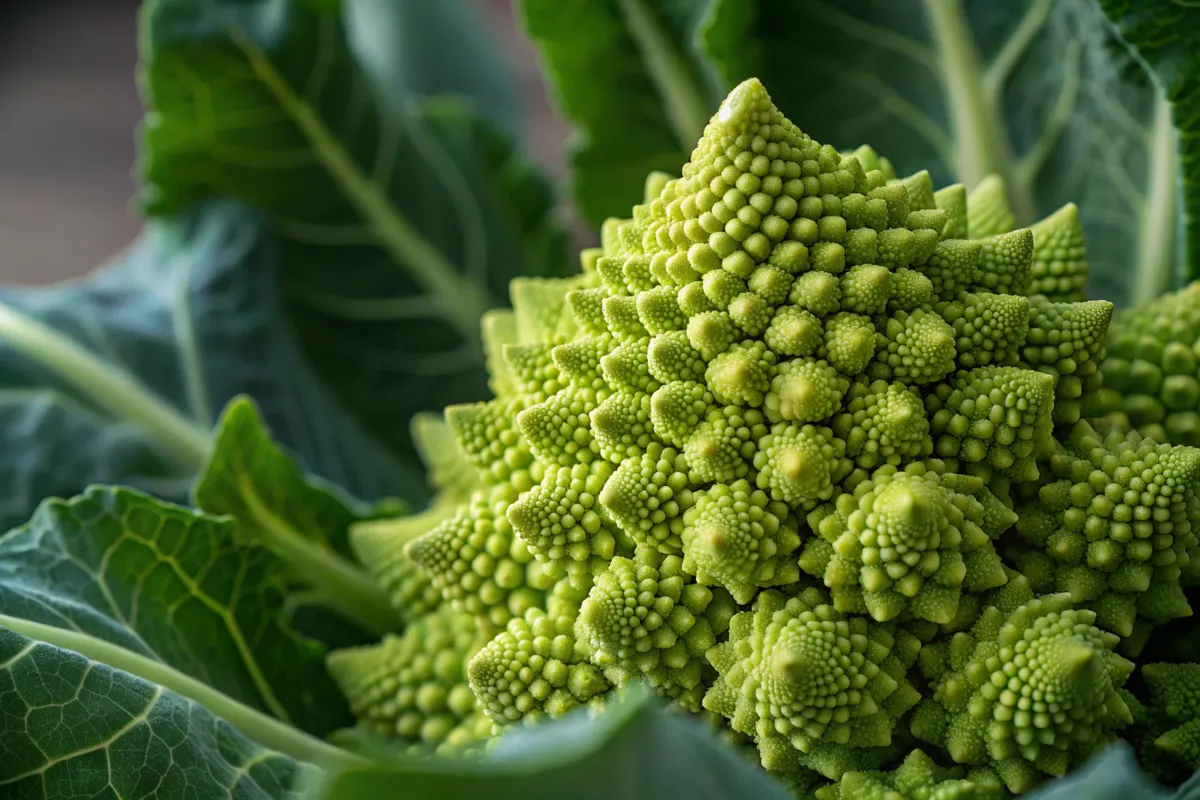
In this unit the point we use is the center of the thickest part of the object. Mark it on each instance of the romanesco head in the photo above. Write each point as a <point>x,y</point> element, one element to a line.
<point>764,454</point>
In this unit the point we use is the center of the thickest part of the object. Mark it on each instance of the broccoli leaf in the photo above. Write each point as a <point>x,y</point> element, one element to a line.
<point>172,586</point>
<point>1166,36</point>
<point>74,728</point>
<point>399,221</point>
<point>628,75</point>
<point>634,749</point>
<point>303,518</point>
<point>1038,91</point>
<point>117,378</point>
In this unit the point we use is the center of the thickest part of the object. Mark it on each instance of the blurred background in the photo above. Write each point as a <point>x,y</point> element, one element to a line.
<point>68,108</point>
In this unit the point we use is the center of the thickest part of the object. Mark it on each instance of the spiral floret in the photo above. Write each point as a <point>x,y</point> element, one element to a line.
<point>413,688</point>
<point>735,536</point>
<point>810,683</point>
<point>993,419</point>
<point>1118,524</point>
<point>883,423</point>
<point>648,618</point>
<point>1029,693</point>
<point>905,541</point>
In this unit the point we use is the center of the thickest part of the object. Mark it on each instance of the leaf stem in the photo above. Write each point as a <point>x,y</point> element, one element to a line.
<point>342,586</point>
<point>108,385</point>
<point>463,301</point>
<point>1155,261</point>
<point>980,145</point>
<point>686,105</point>
<point>262,728</point>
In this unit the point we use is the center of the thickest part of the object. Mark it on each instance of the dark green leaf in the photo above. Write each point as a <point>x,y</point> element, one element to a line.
<point>627,74</point>
<point>169,584</point>
<point>1166,36</point>
<point>305,519</point>
<point>155,344</point>
<point>399,224</point>
<point>635,750</point>
<point>421,49</point>
<point>74,728</point>
<point>1039,91</point>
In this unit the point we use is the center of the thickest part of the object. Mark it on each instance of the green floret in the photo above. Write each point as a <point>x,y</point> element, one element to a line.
<point>736,537</point>
<point>628,367</point>
<point>953,200</point>
<point>1118,522</point>
<point>659,311</point>
<point>647,497</point>
<point>413,688</point>
<point>993,419</point>
<point>561,519</point>
<point>988,212</point>
<point>988,328</point>
<point>587,306</point>
<point>953,268</point>
<point>913,348</point>
<point>670,357</point>
<point>1175,711</point>
<point>1029,692</point>
<point>1150,375</point>
<point>866,289</point>
<point>817,292</point>
<point>647,618</point>
<point>481,567</point>
<point>883,423</point>
<point>379,546</point>
<point>750,313</point>
<point>721,448</point>
<point>621,425</point>
<point>711,333</point>
<point>800,465</point>
<point>1060,269</point>
<point>804,390</point>
<point>1066,341</point>
<point>1006,262</point>
<point>910,290</point>
<point>917,778</point>
<point>919,186</point>
<point>772,284</point>
<point>812,686</point>
<point>796,332</point>
<point>904,541</point>
<point>742,374</point>
<point>677,409</point>
<point>849,343</point>
<point>532,669</point>
<point>559,430</point>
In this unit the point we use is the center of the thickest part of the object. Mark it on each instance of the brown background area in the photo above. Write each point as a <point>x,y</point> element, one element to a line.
<point>68,107</point>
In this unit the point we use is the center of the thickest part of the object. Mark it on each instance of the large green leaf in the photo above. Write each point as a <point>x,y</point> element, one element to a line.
<point>1166,35</point>
<point>627,74</point>
<point>70,727</point>
<point>117,378</point>
<point>303,518</point>
<point>399,223</point>
<point>634,750</point>
<point>167,584</point>
<point>1038,91</point>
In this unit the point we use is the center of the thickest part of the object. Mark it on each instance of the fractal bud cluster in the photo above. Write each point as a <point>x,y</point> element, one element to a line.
<point>805,447</point>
